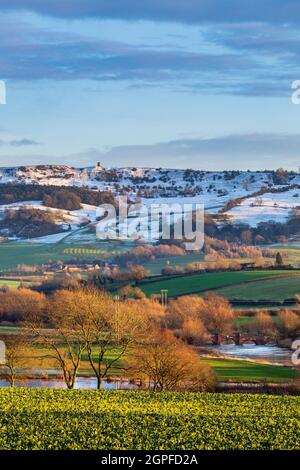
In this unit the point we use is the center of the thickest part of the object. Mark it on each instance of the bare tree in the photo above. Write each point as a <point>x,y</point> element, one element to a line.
<point>61,333</point>
<point>183,309</point>
<point>113,328</point>
<point>289,324</point>
<point>89,320</point>
<point>196,318</point>
<point>261,324</point>
<point>194,332</point>
<point>166,363</point>
<point>16,304</point>
<point>17,356</point>
<point>217,314</point>
<point>92,320</point>
<point>128,291</point>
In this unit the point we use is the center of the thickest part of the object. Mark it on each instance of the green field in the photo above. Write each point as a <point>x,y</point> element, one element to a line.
<point>248,319</point>
<point>269,289</point>
<point>17,253</point>
<point>290,252</point>
<point>14,284</point>
<point>202,282</point>
<point>157,265</point>
<point>36,419</point>
<point>248,371</point>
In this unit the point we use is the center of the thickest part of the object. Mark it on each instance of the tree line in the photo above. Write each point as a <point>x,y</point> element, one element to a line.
<point>60,197</point>
<point>27,222</point>
<point>114,334</point>
<point>143,339</point>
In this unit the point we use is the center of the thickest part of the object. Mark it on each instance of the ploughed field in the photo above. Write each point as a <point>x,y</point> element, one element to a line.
<point>62,419</point>
<point>197,283</point>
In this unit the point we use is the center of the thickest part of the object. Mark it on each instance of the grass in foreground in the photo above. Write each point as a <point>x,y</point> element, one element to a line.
<point>60,419</point>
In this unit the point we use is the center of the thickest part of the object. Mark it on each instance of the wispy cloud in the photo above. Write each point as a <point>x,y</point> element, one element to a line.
<point>183,11</point>
<point>13,141</point>
<point>244,67</point>
<point>29,53</point>
<point>230,152</point>
<point>23,143</point>
<point>240,151</point>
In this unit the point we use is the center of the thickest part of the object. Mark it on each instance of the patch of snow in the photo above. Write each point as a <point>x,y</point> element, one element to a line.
<point>55,238</point>
<point>269,207</point>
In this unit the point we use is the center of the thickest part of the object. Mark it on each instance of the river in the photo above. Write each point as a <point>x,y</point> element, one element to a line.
<point>84,383</point>
<point>268,353</point>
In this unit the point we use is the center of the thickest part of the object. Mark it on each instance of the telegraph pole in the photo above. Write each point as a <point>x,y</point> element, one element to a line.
<point>164,297</point>
<point>117,317</point>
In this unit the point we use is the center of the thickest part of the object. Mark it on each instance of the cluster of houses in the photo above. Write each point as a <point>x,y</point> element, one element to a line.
<point>80,267</point>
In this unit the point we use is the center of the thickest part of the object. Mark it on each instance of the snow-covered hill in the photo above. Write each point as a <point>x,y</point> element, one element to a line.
<point>213,189</point>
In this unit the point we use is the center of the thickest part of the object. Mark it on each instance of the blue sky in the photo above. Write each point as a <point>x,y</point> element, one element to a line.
<point>170,83</point>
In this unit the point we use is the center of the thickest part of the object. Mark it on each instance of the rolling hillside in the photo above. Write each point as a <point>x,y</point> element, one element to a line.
<point>200,283</point>
<point>277,199</point>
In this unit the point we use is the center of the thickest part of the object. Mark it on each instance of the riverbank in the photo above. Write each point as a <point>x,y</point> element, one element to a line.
<point>264,354</point>
<point>90,383</point>
<point>240,372</point>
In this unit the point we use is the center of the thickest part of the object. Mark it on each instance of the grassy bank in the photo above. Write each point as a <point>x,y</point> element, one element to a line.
<point>247,371</point>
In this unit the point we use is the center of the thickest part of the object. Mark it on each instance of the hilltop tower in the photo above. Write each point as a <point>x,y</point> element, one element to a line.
<point>98,168</point>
